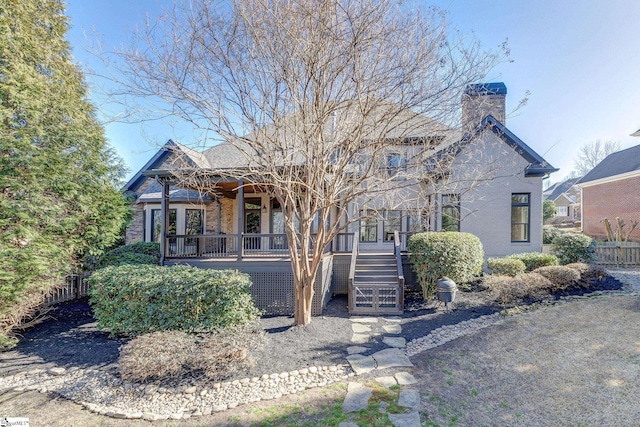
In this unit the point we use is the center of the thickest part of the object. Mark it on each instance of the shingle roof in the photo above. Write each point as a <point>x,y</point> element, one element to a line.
<point>561,188</point>
<point>153,194</point>
<point>615,164</point>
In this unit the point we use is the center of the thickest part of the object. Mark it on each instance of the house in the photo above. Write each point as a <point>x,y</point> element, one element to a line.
<point>611,190</point>
<point>492,188</point>
<point>566,196</point>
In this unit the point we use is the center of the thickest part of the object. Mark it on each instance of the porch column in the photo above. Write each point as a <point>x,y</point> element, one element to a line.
<point>240,219</point>
<point>164,218</point>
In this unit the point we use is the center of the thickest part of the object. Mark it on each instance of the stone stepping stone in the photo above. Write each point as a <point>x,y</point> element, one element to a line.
<point>405,378</point>
<point>348,424</point>
<point>360,339</point>
<point>386,381</point>
<point>397,342</point>
<point>354,349</point>
<point>391,357</point>
<point>393,329</point>
<point>357,397</point>
<point>359,328</point>
<point>409,398</point>
<point>361,364</point>
<point>364,319</point>
<point>411,419</point>
<point>394,319</point>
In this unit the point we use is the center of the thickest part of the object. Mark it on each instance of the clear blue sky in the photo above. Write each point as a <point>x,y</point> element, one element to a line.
<point>580,61</point>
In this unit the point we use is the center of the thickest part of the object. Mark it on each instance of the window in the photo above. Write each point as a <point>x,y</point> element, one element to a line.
<point>450,212</point>
<point>563,211</point>
<point>156,223</point>
<point>392,221</point>
<point>395,163</point>
<point>369,227</point>
<point>194,221</point>
<point>520,204</point>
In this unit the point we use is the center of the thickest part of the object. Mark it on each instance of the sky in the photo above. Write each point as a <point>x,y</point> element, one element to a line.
<point>578,61</point>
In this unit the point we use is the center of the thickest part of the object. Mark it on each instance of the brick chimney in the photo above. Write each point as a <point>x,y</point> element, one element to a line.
<point>480,100</point>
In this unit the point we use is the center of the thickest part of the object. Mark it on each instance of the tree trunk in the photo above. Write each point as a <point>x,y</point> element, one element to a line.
<point>303,299</point>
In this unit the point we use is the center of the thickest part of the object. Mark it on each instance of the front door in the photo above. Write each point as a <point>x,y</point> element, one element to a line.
<point>252,218</point>
<point>376,230</point>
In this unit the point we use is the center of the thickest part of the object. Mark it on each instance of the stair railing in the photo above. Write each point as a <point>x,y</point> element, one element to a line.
<point>397,247</point>
<point>352,267</point>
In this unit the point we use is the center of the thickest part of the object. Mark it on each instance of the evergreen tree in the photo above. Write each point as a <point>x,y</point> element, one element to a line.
<point>58,197</point>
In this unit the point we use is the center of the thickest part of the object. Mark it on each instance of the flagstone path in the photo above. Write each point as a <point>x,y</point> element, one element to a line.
<point>366,330</point>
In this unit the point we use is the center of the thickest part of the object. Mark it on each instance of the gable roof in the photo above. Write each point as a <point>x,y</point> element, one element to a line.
<point>191,156</point>
<point>561,188</point>
<point>537,165</point>
<point>618,163</point>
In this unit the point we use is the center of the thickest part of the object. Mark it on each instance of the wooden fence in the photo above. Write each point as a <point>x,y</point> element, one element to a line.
<point>76,286</point>
<point>622,254</point>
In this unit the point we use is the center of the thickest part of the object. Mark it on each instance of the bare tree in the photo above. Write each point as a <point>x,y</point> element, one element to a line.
<point>591,154</point>
<point>326,100</point>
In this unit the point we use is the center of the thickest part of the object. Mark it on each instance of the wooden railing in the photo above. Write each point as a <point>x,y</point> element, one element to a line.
<point>398,254</point>
<point>352,266</point>
<point>243,245</point>
<point>619,254</point>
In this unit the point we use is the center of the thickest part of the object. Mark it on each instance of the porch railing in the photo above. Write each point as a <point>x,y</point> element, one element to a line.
<point>243,245</point>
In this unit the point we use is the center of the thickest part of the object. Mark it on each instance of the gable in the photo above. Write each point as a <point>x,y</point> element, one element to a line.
<point>167,157</point>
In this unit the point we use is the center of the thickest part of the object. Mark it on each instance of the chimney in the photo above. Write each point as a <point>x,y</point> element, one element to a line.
<point>480,100</point>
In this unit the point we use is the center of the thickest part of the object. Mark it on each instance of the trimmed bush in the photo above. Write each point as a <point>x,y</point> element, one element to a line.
<point>533,260</point>
<point>222,353</point>
<point>572,248</point>
<point>170,354</point>
<point>549,232</point>
<point>580,267</point>
<point>157,355</point>
<point>506,266</point>
<point>560,276</point>
<point>458,256</point>
<point>136,299</point>
<point>513,290</point>
<point>135,253</point>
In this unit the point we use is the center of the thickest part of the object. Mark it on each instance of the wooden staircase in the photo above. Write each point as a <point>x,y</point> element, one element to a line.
<point>376,289</point>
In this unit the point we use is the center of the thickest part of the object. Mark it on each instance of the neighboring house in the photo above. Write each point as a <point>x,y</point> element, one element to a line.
<point>611,190</point>
<point>566,196</point>
<point>241,227</point>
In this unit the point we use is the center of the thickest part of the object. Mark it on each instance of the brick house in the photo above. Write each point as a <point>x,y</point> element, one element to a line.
<point>611,190</point>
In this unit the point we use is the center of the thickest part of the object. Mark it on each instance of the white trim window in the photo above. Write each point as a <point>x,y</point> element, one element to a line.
<point>562,211</point>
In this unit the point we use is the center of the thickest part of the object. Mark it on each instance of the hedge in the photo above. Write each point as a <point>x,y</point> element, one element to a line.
<point>506,266</point>
<point>458,256</point>
<point>533,260</point>
<point>135,253</point>
<point>136,299</point>
<point>572,248</point>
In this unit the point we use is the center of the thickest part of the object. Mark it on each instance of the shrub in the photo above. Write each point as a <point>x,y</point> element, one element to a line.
<point>135,299</point>
<point>588,272</point>
<point>549,209</point>
<point>580,267</point>
<point>458,256</point>
<point>506,266</point>
<point>572,248</point>
<point>222,353</point>
<point>533,260</point>
<point>157,355</point>
<point>561,277</point>
<point>512,290</point>
<point>135,253</point>
<point>549,232</point>
<point>167,354</point>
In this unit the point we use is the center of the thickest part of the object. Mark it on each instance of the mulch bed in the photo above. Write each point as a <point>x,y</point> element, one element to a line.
<point>69,337</point>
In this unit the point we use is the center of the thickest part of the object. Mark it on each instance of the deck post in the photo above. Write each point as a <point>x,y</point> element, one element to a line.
<point>240,219</point>
<point>164,218</point>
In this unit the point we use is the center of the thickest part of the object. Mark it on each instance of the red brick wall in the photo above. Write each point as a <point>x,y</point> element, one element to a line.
<point>610,200</point>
